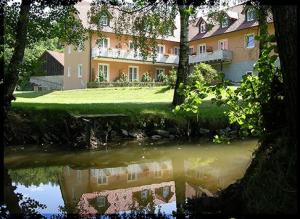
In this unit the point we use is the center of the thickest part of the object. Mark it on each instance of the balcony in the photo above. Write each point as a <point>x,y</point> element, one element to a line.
<point>218,55</point>
<point>130,55</point>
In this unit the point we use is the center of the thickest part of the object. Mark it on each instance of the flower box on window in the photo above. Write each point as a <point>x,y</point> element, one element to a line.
<point>194,53</point>
<point>209,49</point>
<point>166,55</point>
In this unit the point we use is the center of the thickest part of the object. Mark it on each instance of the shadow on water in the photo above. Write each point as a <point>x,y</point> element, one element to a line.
<point>128,182</point>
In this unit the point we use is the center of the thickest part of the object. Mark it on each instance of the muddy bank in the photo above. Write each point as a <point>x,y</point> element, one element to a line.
<point>93,131</point>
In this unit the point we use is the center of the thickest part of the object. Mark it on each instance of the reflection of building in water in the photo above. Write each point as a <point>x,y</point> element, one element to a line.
<point>110,190</point>
<point>119,200</point>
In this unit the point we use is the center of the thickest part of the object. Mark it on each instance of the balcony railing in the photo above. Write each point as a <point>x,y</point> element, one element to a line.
<point>130,55</point>
<point>223,55</point>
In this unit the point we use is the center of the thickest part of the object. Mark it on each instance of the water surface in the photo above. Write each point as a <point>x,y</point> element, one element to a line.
<point>128,176</point>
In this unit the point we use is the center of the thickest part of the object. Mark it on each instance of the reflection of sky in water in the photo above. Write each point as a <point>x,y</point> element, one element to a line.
<point>47,194</point>
<point>166,208</point>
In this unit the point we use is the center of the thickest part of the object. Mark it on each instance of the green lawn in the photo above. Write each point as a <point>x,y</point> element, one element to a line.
<point>129,101</point>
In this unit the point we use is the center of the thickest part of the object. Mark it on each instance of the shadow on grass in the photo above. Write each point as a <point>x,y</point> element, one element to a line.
<point>32,94</point>
<point>163,90</point>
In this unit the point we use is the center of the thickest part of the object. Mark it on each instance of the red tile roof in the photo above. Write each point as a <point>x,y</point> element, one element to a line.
<point>236,24</point>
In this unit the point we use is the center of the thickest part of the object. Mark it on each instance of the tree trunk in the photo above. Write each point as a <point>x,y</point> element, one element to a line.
<point>285,22</point>
<point>12,75</point>
<point>183,66</point>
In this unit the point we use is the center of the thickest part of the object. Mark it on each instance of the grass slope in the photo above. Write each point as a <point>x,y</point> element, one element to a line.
<point>130,101</point>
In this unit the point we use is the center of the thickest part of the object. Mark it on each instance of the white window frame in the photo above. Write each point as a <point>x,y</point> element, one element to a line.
<point>201,45</point>
<point>132,176</point>
<point>246,40</point>
<point>159,46</point>
<point>108,71</point>
<point>101,201</point>
<point>178,50</point>
<point>130,42</point>
<point>144,194</point>
<point>102,19</point>
<point>202,27</point>
<point>156,75</point>
<point>222,41</point>
<point>79,73</point>
<point>102,179</point>
<point>137,72</point>
<point>69,71</point>
<point>191,48</point>
<point>69,49</point>
<point>108,42</point>
<point>250,11</point>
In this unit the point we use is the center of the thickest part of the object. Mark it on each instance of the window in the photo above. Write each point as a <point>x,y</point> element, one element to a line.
<point>69,71</point>
<point>249,72</point>
<point>103,72</point>
<point>160,49</point>
<point>144,194</point>
<point>158,72</point>
<point>101,201</point>
<point>202,48</point>
<point>103,20</point>
<point>250,14</point>
<point>170,32</point>
<point>133,73</point>
<point>102,179</point>
<point>79,70</point>
<point>103,42</point>
<point>223,44</point>
<point>250,41</point>
<point>131,45</point>
<point>225,22</point>
<point>203,27</point>
<point>69,49</point>
<point>132,176</point>
<point>176,51</point>
<point>166,191</point>
<point>191,50</point>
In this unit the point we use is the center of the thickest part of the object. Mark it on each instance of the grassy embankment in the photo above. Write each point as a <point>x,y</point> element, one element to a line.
<point>134,102</point>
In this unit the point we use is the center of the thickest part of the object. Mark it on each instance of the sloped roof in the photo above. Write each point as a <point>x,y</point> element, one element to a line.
<point>59,56</point>
<point>238,23</point>
<point>84,7</point>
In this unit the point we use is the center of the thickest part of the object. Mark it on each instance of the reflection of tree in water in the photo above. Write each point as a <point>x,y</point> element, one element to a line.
<point>15,204</point>
<point>36,176</point>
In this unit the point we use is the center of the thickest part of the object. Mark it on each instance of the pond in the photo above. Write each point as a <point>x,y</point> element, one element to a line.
<point>125,177</point>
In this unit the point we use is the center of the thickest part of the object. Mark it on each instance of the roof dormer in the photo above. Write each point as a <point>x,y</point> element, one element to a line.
<point>202,25</point>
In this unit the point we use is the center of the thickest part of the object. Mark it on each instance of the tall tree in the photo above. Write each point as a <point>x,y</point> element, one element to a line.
<point>36,20</point>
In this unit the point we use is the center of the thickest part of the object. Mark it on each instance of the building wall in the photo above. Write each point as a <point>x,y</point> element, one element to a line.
<point>242,58</point>
<point>114,42</point>
<point>72,60</point>
<point>117,67</point>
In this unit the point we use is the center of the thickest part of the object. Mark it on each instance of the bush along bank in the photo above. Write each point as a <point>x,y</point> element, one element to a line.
<point>93,131</point>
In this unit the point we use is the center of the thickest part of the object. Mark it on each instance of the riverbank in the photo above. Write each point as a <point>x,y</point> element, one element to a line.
<point>93,117</point>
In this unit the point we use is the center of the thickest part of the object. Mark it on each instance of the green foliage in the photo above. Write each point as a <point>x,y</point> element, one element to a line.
<point>203,73</point>
<point>162,77</point>
<point>171,78</point>
<point>123,77</point>
<point>146,77</point>
<point>36,176</point>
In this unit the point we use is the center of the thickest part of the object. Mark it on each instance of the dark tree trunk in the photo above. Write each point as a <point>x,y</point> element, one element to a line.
<point>12,75</point>
<point>285,22</point>
<point>183,66</point>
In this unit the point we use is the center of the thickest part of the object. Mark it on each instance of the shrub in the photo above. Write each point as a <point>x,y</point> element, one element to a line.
<point>204,73</point>
<point>161,77</point>
<point>122,77</point>
<point>171,78</point>
<point>146,77</point>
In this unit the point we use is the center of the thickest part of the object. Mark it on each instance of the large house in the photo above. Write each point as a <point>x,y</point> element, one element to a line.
<point>229,46</point>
